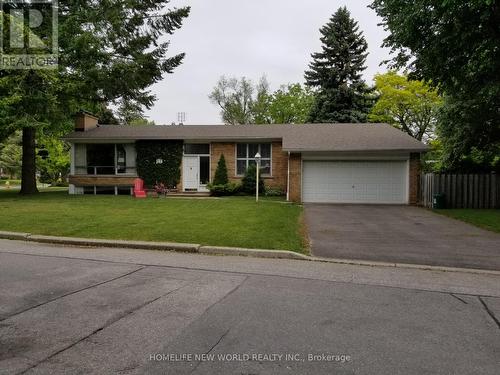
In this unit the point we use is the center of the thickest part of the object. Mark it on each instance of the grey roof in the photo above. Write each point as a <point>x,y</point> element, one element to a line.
<point>295,138</point>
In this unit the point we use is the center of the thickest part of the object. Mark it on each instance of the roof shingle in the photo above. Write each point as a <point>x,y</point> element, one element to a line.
<point>296,138</point>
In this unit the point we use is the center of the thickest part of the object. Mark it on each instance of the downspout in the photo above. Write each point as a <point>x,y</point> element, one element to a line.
<point>288,179</point>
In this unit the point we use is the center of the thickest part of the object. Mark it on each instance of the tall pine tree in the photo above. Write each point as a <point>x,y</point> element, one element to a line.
<point>335,73</point>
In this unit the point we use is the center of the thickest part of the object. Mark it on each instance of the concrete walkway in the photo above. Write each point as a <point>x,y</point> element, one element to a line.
<point>399,234</point>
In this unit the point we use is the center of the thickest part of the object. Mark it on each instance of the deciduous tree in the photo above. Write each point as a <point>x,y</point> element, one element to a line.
<point>241,102</point>
<point>11,155</point>
<point>291,104</point>
<point>454,45</point>
<point>53,158</point>
<point>409,105</point>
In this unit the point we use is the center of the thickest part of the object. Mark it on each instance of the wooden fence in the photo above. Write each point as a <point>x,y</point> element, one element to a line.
<point>461,190</point>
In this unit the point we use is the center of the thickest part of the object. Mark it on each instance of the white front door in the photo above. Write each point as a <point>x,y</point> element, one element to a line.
<point>382,182</point>
<point>190,172</point>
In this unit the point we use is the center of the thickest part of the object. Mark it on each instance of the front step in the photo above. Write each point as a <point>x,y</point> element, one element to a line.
<point>188,194</point>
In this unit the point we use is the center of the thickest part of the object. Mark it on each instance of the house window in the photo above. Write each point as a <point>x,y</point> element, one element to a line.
<point>100,159</point>
<point>106,159</point>
<point>196,149</point>
<point>245,156</point>
<point>121,159</point>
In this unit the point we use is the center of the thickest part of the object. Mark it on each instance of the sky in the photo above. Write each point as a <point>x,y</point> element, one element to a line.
<point>250,38</point>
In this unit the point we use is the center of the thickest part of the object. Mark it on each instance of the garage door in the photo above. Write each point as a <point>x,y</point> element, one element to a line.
<point>383,182</point>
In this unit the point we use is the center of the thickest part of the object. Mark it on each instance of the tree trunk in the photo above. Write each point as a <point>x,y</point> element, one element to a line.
<point>28,175</point>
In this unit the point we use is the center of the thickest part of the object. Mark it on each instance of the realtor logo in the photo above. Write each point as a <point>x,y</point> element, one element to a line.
<point>28,34</point>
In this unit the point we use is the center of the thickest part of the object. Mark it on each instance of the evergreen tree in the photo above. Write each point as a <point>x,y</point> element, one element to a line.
<point>110,53</point>
<point>335,72</point>
<point>249,181</point>
<point>220,177</point>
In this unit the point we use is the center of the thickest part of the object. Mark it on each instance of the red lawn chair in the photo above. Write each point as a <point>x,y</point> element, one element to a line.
<point>139,191</point>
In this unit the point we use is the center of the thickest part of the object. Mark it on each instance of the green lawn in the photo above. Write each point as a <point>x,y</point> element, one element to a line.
<point>234,221</point>
<point>487,219</point>
<point>11,182</point>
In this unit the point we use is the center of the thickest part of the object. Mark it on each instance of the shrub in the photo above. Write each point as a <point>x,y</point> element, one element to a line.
<point>248,183</point>
<point>220,177</point>
<point>224,190</point>
<point>221,185</point>
<point>274,192</point>
<point>161,188</point>
<point>59,183</point>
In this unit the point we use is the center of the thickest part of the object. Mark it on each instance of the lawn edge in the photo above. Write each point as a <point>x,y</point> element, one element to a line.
<point>480,226</point>
<point>220,250</point>
<point>304,234</point>
<point>150,245</point>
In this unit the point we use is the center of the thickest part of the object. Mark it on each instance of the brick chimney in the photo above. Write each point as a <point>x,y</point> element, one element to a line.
<point>85,121</point>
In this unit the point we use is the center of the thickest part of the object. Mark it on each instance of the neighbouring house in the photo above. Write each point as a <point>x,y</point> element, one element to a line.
<point>323,163</point>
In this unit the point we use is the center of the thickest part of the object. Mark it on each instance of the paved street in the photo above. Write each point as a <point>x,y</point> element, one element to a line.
<point>399,234</point>
<point>103,311</point>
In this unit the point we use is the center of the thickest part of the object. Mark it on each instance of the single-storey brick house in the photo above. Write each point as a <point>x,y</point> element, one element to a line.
<point>327,163</point>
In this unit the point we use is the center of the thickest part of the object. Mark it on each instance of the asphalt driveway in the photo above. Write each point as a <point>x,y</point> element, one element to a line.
<point>399,234</point>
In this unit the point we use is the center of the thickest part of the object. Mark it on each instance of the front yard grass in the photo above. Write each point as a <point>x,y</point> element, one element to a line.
<point>234,221</point>
<point>11,182</point>
<point>487,219</point>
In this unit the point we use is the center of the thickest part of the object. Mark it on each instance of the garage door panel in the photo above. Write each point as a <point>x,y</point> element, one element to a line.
<point>355,182</point>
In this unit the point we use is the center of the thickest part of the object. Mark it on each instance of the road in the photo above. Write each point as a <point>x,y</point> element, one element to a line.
<point>76,310</point>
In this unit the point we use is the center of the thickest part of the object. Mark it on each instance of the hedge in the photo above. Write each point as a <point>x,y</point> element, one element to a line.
<point>159,161</point>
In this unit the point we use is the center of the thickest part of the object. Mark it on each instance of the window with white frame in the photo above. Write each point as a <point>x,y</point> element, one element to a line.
<point>245,156</point>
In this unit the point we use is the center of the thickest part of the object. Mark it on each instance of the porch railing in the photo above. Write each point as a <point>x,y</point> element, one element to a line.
<point>96,170</point>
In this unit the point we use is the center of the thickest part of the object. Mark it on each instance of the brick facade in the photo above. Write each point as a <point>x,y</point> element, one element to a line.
<point>229,151</point>
<point>414,178</point>
<point>279,161</point>
<point>295,194</point>
<point>279,168</point>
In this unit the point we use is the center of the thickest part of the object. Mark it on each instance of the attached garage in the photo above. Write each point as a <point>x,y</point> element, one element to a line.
<point>359,181</point>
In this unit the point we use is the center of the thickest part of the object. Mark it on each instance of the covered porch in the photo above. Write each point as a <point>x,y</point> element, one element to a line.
<point>102,168</point>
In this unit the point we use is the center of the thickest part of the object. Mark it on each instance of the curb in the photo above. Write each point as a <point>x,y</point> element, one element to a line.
<point>14,235</point>
<point>219,250</point>
<point>143,245</point>
<point>256,253</point>
<point>423,267</point>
